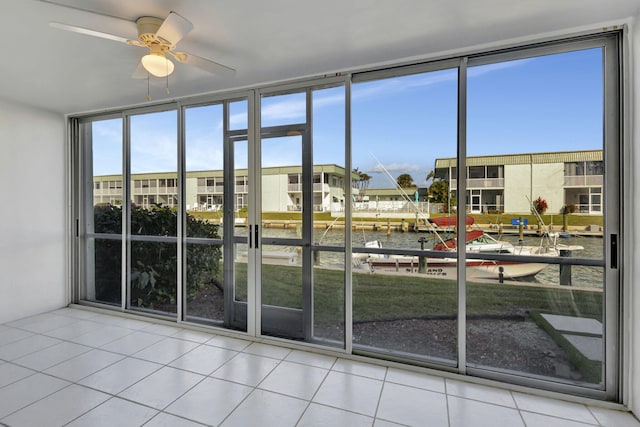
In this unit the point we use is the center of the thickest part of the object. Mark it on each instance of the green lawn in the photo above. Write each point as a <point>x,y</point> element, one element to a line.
<point>378,296</point>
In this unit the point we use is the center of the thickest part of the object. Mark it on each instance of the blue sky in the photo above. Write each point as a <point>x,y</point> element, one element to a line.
<point>550,103</point>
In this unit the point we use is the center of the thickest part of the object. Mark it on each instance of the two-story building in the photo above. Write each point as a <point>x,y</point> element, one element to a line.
<point>506,183</point>
<point>204,190</point>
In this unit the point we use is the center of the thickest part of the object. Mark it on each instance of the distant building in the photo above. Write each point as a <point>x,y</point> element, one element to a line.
<point>506,183</point>
<point>204,190</point>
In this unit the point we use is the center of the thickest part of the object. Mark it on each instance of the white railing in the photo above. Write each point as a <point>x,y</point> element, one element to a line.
<point>297,188</point>
<point>583,180</point>
<point>480,183</point>
<point>210,189</point>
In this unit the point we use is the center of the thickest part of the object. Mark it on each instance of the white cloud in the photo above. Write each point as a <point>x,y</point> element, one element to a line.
<point>287,109</point>
<point>396,167</point>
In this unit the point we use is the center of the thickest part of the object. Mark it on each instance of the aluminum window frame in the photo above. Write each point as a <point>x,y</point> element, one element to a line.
<point>611,42</point>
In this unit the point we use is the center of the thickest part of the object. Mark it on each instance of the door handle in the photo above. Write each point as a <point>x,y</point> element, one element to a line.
<point>614,251</point>
<point>250,236</point>
<point>256,237</point>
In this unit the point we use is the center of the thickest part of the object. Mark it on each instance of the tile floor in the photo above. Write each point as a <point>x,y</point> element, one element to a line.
<point>74,367</point>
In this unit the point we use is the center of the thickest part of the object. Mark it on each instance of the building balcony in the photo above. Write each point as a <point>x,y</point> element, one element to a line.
<point>107,192</point>
<point>480,183</point>
<point>211,189</point>
<point>297,188</point>
<point>583,181</point>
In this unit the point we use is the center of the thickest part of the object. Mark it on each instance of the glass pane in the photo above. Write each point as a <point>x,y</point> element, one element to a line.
<point>205,282</point>
<point>104,256</point>
<point>540,120</point>
<point>241,187</point>
<point>105,271</point>
<point>400,126</point>
<point>282,291</point>
<point>328,170</point>
<point>328,298</point>
<point>282,187</point>
<point>153,278</point>
<point>204,157</point>
<point>238,115</point>
<point>401,310</point>
<point>240,272</point>
<point>238,316</point>
<point>154,162</point>
<point>154,198</point>
<point>283,109</point>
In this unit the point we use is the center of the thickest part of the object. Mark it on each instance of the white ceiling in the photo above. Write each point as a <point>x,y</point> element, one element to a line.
<point>265,41</point>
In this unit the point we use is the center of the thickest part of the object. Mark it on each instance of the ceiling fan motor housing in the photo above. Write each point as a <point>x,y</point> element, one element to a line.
<point>147,28</point>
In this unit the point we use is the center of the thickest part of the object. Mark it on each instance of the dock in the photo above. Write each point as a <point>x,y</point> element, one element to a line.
<point>409,226</point>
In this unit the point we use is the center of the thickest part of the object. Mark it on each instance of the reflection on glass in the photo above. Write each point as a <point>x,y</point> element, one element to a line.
<point>538,179</point>
<point>153,277</point>
<point>400,126</point>
<point>205,282</point>
<point>204,155</point>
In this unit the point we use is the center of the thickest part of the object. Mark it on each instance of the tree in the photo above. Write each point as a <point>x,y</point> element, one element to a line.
<point>540,205</point>
<point>363,181</point>
<point>405,180</point>
<point>431,175</point>
<point>439,191</point>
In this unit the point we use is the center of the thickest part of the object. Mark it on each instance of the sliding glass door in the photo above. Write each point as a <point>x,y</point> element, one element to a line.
<point>405,305</point>
<point>462,214</point>
<point>538,116</point>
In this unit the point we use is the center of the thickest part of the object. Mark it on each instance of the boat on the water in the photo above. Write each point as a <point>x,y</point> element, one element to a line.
<point>478,242</point>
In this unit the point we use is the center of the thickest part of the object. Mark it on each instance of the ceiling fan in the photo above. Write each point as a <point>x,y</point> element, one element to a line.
<point>160,37</point>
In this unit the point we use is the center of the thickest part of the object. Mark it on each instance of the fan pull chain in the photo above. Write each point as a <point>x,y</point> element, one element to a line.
<point>148,87</point>
<point>167,66</point>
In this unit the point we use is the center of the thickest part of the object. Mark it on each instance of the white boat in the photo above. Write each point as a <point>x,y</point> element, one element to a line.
<point>476,242</point>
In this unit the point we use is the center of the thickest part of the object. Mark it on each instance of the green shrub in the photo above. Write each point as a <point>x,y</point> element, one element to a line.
<point>154,265</point>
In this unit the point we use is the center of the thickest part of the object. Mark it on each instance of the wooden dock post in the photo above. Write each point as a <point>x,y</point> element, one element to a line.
<point>565,269</point>
<point>422,260</point>
<point>521,228</point>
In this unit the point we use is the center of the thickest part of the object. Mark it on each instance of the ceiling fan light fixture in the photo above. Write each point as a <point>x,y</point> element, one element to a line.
<point>157,64</point>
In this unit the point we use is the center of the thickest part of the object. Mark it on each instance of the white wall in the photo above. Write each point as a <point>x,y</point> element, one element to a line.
<point>275,197</point>
<point>632,210</point>
<point>518,188</point>
<point>548,183</point>
<point>32,214</point>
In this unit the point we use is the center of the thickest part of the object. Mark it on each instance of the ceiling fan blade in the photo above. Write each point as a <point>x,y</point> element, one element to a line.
<point>88,32</point>
<point>174,28</point>
<point>204,64</point>
<point>93,24</point>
